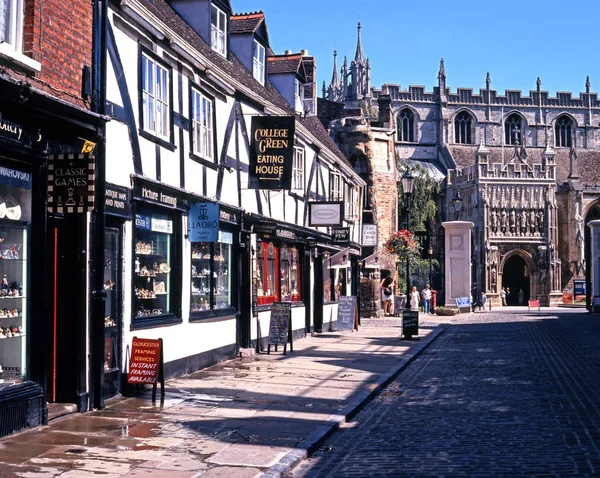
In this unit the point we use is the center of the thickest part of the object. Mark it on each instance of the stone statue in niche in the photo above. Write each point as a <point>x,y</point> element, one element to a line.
<point>523,221</point>
<point>494,221</point>
<point>532,217</point>
<point>540,222</point>
<point>513,221</point>
<point>504,221</point>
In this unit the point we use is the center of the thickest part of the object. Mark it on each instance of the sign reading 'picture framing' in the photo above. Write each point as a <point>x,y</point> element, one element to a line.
<point>271,152</point>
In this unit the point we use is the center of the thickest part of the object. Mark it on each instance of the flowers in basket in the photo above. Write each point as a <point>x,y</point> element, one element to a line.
<point>403,244</point>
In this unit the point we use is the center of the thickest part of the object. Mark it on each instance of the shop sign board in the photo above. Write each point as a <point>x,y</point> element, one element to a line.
<point>117,200</point>
<point>153,193</point>
<point>264,229</point>
<point>369,235</point>
<point>203,222</point>
<point>280,332</point>
<point>325,213</point>
<point>146,364</point>
<point>271,152</point>
<point>579,287</point>
<point>347,314</point>
<point>254,297</point>
<point>463,303</point>
<point>71,183</point>
<point>23,135</point>
<point>285,234</point>
<point>340,235</point>
<point>410,323</point>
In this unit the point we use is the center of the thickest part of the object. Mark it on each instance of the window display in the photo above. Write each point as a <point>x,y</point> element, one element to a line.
<point>111,269</point>
<point>278,273</point>
<point>211,274</point>
<point>334,283</point>
<point>154,253</point>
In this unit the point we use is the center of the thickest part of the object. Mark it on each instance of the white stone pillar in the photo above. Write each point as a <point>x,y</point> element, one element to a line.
<point>457,260</point>
<point>595,265</point>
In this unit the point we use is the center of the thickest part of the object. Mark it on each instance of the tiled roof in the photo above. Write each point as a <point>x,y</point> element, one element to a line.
<point>246,22</point>
<point>314,125</point>
<point>284,64</point>
<point>587,164</point>
<point>232,67</point>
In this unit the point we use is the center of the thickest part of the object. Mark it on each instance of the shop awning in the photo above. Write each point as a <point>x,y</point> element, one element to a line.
<point>372,261</point>
<point>340,259</point>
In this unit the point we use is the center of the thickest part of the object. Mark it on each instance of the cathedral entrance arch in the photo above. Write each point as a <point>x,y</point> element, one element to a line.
<point>516,276</point>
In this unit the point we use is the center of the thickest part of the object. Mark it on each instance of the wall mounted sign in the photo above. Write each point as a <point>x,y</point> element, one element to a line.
<point>203,222</point>
<point>369,235</point>
<point>271,152</point>
<point>325,213</point>
<point>17,132</point>
<point>154,224</point>
<point>285,234</point>
<point>340,235</point>
<point>117,200</point>
<point>70,183</point>
<point>264,229</point>
<point>156,194</point>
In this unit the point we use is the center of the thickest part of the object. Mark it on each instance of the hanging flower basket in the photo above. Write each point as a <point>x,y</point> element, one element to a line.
<point>403,244</point>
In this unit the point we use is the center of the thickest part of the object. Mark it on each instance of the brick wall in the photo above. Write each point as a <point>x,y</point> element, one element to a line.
<point>58,34</point>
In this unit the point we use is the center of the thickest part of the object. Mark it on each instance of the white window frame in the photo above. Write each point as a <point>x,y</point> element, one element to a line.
<point>336,186</point>
<point>351,202</point>
<point>12,13</point>
<point>298,95</point>
<point>218,30</point>
<point>298,170</point>
<point>155,98</point>
<point>202,125</point>
<point>258,62</point>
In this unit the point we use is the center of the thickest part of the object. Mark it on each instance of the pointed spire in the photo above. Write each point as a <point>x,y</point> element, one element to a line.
<point>334,79</point>
<point>324,90</point>
<point>442,72</point>
<point>359,53</point>
<point>588,85</point>
<point>539,83</point>
<point>488,81</point>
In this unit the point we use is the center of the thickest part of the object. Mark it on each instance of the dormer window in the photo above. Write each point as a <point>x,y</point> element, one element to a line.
<point>258,63</point>
<point>218,30</point>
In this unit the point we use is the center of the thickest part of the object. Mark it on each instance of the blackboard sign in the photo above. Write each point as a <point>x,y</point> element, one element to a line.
<point>410,323</point>
<point>254,297</point>
<point>347,318</point>
<point>279,327</point>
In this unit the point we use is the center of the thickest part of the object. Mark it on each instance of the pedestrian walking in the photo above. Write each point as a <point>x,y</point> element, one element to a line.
<point>521,296</point>
<point>426,295</point>
<point>503,296</point>
<point>482,301</point>
<point>414,299</point>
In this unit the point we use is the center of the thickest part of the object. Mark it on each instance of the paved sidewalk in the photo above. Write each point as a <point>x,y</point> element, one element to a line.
<point>242,418</point>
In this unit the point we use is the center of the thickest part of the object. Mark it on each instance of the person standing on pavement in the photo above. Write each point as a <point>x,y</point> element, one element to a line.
<point>414,299</point>
<point>521,296</point>
<point>503,296</point>
<point>426,295</point>
<point>482,301</point>
<point>386,287</point>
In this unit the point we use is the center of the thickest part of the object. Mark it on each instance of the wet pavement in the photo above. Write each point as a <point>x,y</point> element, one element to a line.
<point>247,417</point>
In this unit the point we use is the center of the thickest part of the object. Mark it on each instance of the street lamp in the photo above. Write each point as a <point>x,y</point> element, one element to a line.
<point>458,203</point>
<point>430,253</point>
<point>407,187</point>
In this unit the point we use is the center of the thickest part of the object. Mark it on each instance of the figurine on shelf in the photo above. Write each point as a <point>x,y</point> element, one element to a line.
<point>137,265</point>
<point>4,285</point>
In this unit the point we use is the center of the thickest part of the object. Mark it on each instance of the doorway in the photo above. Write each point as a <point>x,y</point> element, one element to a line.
<point>515,278</point>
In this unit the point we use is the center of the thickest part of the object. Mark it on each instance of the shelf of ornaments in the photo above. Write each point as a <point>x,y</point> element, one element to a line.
<point>12,297</point>
<point>151,275</point>
<point>18,336</point>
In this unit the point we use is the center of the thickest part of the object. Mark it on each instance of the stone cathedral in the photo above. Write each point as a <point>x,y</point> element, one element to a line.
<point>527,167</point>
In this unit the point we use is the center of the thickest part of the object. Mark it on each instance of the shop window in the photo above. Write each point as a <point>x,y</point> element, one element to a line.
<point>258,63</point>
<point>218,31</point>
<point>278,273</point>
<point>202,125</point>
<point>334,283</point>
<point>211,274</point>
<point>155,286</point>
<point>155,98</point>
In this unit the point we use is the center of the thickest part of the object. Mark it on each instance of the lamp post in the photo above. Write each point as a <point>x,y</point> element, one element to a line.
<point>458,204</point>
<point>407,187</point>
<point>430,253</point>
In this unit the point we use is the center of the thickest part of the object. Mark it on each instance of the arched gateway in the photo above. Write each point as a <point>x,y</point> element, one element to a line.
<point>518,271</point>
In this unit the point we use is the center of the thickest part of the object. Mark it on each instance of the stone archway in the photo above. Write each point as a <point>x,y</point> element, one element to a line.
<point>517,272</point>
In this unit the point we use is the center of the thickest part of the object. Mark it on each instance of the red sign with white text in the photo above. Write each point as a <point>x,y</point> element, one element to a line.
<point>145,360</point>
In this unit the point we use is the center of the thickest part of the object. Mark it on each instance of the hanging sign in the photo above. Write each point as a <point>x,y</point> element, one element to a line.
<point>340,260</point>
<point>340,235</point>
<point>369,235</point>
<point>203,222</point>
<point>271,152</point>
<point>372,262</point>
<point>325,213</point>
<point>70,183</point>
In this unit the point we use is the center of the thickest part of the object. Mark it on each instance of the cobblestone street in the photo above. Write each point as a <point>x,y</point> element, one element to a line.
<point>503,393</point>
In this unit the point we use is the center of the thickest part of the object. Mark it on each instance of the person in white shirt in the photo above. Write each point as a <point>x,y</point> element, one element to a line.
<point>426,295</point>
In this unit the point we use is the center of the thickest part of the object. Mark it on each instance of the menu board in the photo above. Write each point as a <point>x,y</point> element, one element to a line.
<point>347,318</point>
<point>279,328</point>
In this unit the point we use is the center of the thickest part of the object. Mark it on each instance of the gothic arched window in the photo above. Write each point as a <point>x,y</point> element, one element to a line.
<point>513,131</point>
<point>462,128</point>
<point>563,131</point>
<point>406,126</point>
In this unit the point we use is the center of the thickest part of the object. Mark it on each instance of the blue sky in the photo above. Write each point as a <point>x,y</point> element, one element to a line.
<point>516,41</point>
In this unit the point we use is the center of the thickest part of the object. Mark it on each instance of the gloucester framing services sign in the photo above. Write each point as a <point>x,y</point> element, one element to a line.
<point>271,152</point>
<point>145,360</point>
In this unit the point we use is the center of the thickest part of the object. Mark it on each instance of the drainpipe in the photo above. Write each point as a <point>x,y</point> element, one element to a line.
<point>98,299</point>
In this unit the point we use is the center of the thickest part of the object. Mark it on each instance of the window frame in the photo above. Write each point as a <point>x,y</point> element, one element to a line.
<point>298,170</point>
<point>195,153</point>
<point>256,63</point>
<point>14,25</point>
<point>156,63</point>
<point>509,128</point>
<point>351,202</point>
<point>563,136</point>
<point>406,133</point>
<point>214,29</point>
<point>336,186</point>
<point>261,271</point>
<point>463,134</point>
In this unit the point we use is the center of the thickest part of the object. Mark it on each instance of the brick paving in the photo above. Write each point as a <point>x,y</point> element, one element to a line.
<point>502,393</point>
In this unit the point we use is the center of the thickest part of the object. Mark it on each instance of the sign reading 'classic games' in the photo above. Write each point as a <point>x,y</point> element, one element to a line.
<point>70,183</point>
<point>271,152</point>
